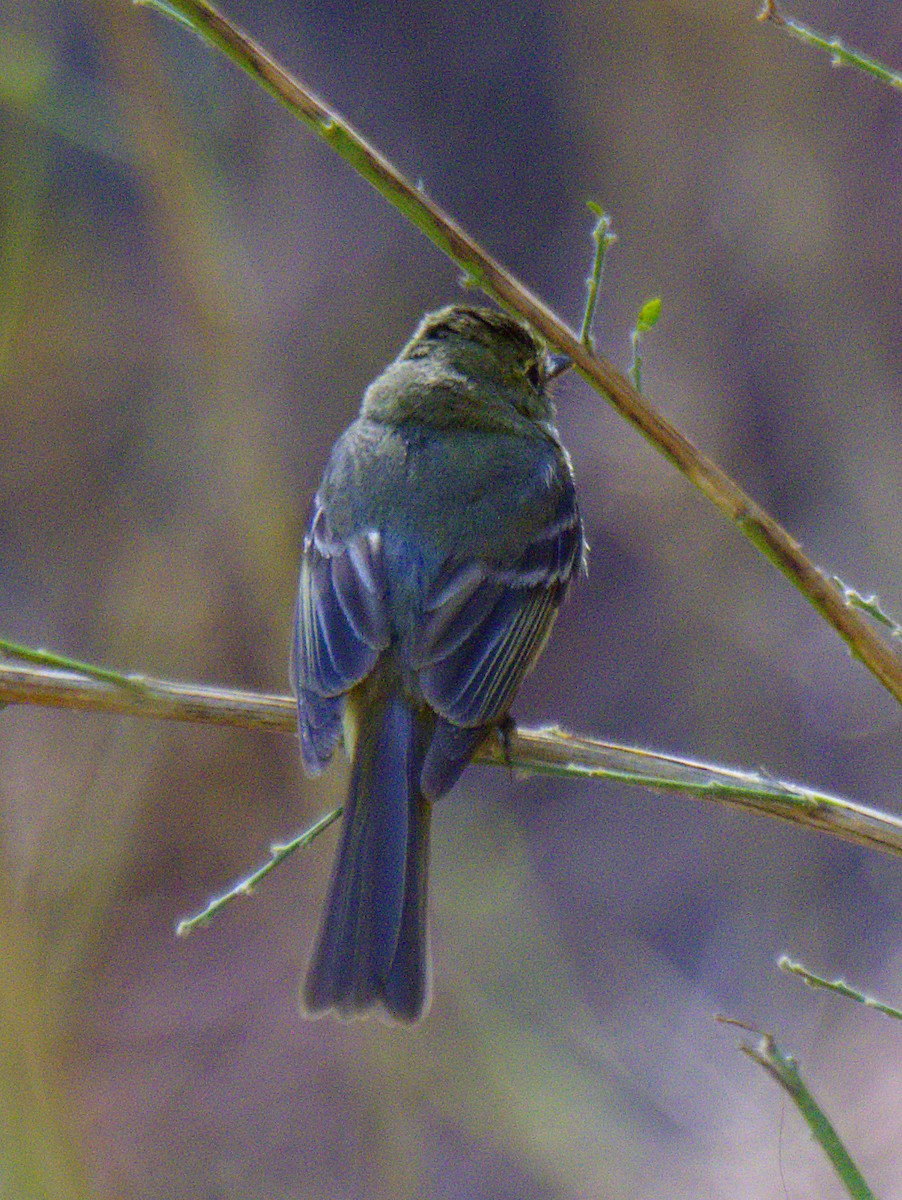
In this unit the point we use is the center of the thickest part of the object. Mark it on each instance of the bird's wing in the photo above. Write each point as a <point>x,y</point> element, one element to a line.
<point>341,627</point>
<point>483,625</point>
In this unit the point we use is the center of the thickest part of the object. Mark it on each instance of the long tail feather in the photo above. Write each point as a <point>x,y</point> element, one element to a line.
<point>372,947</point>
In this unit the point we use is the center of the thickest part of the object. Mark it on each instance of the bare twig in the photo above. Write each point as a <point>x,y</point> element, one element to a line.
<point>784,1070</point>
<point>550,751</point>
<point>604,237</point>
<point>145,697</point>
<point>837,986</point>
<point>841,55</point>
<point>246,886</point>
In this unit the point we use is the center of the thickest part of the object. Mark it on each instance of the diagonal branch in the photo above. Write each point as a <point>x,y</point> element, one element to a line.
<point>840,54</point>
<point>486,273</point>
<point>784,1070</point>
<point>549,751</point>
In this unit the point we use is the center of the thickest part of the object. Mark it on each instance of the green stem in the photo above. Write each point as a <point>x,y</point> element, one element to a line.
<point>649,315</point>
<point>635,371</point>
<point>840,54</point>
<point>783,1068</point>
<point>839,986</point>
<point>47,658</point>
<point>278,852</point>
<point>603,237</point>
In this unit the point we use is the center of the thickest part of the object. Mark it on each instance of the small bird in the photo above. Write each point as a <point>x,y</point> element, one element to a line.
<point>443,538</point>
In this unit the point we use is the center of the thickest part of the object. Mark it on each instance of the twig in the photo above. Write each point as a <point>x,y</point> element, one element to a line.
<point>484,271</point>
<point>647,319</point>
<point>278,852</point>
<point>49,658</point>
<point>550,751</point>
<point>840,54</point>
<point>839,986</point>
<point>782,1068</point>
<point>603,237</point>
<point>145,697</point>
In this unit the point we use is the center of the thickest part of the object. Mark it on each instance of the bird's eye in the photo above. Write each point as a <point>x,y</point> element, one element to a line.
<point>534,374</point>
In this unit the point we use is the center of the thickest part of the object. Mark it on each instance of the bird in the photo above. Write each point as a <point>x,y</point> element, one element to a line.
<point>443,538</point>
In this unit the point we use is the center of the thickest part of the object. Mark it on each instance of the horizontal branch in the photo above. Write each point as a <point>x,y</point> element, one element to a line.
<point>549,751</point>
<point>486,273</point>
<point>145,697</point>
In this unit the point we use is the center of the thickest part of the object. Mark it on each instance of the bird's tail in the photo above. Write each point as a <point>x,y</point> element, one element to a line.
<point>372,947</point>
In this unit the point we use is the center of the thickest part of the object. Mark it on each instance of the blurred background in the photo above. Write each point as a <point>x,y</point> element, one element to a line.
<point>193,294</point>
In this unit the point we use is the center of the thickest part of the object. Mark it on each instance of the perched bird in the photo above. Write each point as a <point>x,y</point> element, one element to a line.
<point>444,536</point>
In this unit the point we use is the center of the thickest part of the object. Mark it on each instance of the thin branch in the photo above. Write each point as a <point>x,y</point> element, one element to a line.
<point>550,751</point>
<point>246,886</point>
<point>784,1070</point>
<point>485,272</point>
<point>840,54</point>
<point>146,697</point>
<point>604,237</point>
<point>49,658</point>
<point>838,986</point>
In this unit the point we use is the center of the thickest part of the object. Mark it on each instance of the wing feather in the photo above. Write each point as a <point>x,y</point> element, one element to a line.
<point>342,626</point>
<point>484,625</point>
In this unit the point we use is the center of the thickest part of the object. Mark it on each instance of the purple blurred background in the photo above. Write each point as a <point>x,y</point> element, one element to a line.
<point>193,294</point>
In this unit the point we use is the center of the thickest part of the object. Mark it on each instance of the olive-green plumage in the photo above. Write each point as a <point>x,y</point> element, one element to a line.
<point>444,536</point>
